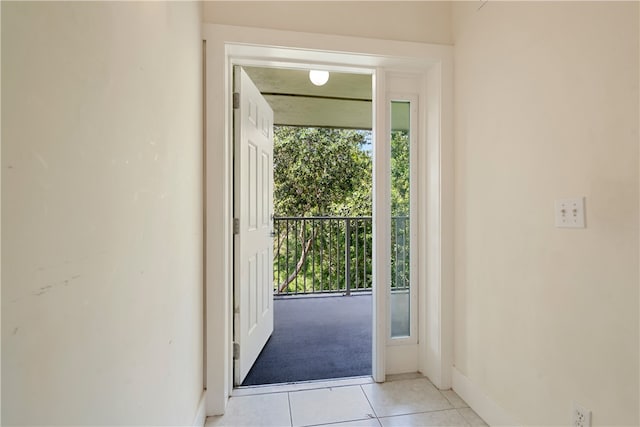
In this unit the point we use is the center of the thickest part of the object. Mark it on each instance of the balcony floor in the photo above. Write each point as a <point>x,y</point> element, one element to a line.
<point>316,337</point>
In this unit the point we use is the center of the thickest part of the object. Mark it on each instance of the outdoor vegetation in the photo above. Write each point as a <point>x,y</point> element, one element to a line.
<point>323,202</point>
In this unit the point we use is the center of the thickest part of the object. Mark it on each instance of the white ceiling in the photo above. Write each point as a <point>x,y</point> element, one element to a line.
<point>343,102</point>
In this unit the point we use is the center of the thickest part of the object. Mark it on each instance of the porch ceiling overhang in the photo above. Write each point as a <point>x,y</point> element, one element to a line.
<point>343,102</point>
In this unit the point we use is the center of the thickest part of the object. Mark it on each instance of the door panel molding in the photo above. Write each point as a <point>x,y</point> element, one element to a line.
<point>253,244</point>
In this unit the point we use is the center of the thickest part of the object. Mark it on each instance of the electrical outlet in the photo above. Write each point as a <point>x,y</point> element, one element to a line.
<point>581,417</point>
<point>570,213</point>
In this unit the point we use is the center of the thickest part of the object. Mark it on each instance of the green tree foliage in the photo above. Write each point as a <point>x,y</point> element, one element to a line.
<point>400,204</point>
<point>400,183</point>
<point>328,173</point>
<point>321,172</point>
<point>317,172</point>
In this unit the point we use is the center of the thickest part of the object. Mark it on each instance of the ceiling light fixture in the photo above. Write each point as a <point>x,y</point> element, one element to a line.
<point>318,78</point>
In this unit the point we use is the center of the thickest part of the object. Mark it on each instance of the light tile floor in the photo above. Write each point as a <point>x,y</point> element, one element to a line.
<point>403,401</point>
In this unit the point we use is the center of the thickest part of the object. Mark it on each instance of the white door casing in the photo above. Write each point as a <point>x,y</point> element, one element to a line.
<point>253,207</point>
<point>226,46</point>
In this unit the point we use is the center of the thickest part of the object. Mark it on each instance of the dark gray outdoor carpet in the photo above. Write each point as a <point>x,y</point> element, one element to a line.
<point>316,338</point>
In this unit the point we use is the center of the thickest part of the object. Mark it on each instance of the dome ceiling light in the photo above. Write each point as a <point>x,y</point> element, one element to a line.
<point>318,78</point>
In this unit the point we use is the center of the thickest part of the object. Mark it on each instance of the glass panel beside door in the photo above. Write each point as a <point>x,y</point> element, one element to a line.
<point>400,292</point>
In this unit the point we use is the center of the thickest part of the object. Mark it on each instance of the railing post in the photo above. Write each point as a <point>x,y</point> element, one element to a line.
<point>347,255</point>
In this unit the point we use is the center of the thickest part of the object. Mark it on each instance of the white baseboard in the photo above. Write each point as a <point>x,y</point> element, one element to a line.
<point>488,410</point>
<point>201,413</point>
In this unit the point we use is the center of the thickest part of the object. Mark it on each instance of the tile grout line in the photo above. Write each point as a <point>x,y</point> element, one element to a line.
<point>291,412</point>
<point>476,415</point>
<point>340,422</point>
<point>247,391</point>
<point>463,417</point>
<point>424,412</point>
<point>265,393</point>
<point>449,400</point>
<point>370,404</point>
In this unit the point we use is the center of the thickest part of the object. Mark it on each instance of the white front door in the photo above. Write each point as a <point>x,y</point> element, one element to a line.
<point>253,208</point>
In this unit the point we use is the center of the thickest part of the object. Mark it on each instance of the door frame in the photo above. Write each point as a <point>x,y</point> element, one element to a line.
<point>226,46</point>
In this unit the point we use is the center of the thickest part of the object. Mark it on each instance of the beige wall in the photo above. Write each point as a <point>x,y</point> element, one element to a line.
<point>101,202</point>
<point>546,106</point>
<point>101,213</point>
<point>428,22</point>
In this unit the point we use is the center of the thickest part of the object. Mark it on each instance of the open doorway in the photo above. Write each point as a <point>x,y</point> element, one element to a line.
<point>399,68</point>
<point>322,227</point>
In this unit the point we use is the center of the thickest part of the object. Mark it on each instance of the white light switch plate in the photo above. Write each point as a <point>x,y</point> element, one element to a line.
<point>570,213</point>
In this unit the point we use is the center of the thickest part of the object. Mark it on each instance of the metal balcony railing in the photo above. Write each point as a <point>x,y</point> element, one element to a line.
<point>334,254</point>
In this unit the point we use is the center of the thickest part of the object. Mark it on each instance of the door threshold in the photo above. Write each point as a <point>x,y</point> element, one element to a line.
<point>250,390</point>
